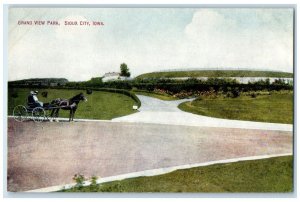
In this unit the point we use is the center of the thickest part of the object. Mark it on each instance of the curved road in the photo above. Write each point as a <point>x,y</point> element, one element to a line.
<point>158,111</point>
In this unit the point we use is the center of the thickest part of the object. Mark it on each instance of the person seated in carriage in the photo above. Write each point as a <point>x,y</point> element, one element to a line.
<point>33,101</point>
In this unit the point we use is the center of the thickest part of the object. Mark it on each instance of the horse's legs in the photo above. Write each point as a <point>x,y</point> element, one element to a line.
<point>56,112</point>
<point>71,111</point>
<point>73,114</point>
<point>52,112</point>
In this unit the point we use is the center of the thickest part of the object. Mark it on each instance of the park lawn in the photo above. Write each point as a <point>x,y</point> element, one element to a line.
<point>216,73</point>
<point>265,175</point>
<point>273,108</point>
<point>100,105</point>
<point>165,97</point>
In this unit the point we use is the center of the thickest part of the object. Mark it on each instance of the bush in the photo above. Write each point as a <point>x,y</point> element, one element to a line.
<point>79,179</point>
<point>45,94</point>
<point>229,94</point>
<point>93,186</point>
<point>89,91</point>
<point>94,180</point>
<point>235,93</point>
<point>183,94</point>
<point>253,95</point>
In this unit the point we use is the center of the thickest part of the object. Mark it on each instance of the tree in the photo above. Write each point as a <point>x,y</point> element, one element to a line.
<point>124,70</point>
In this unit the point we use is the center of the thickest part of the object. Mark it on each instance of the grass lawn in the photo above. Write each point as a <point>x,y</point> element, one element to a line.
<point>216,73</point>
<point>266,175</point>
<point>165,97</point>
<point>100,105</point>
<point>274,108</point>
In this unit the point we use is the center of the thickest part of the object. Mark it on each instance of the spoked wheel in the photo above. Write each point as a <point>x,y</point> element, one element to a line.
<point>38,114</point>
<point>20,113</point>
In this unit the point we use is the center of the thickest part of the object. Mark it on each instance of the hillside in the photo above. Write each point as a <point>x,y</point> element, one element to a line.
<point>216,73</point>
<point>39,82</point>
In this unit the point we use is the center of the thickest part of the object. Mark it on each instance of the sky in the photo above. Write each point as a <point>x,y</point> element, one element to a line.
<point>147,40</point>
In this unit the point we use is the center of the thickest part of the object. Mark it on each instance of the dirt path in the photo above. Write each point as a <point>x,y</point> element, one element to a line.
<point>48,154</point>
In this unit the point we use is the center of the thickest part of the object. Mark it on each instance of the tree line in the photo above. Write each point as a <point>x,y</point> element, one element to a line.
<point>176,86</point>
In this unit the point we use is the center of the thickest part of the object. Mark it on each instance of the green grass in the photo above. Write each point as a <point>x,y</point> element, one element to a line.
<point>274,108</point>
<point>216,73</point>
<point>100,105</point>
<point>165,97</point>
<point>267,175</point>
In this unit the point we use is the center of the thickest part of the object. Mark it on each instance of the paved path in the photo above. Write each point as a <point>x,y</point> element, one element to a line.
<point>48,154</point>
<point>166,112</point>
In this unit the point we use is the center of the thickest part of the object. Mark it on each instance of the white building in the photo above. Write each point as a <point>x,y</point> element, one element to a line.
<point>110,76</point>
<point>113,76</point>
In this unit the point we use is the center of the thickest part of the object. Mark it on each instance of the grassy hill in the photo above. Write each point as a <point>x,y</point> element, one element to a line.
<point>274,108</point>
<point>216,73</point>
<point>100,105</point>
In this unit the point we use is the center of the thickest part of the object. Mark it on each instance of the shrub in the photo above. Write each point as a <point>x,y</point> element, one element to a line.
<point>45,94</point>
<point>79,179</point>
<point>253,95</point>
<point>93,186</point>
<point>229,94</point>
<point>89,91</point>
<point>94,180</point>
<point>235,92</point>
<point>183,94</point>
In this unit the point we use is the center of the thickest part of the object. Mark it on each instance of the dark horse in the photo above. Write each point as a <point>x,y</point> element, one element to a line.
<point>67,104</point>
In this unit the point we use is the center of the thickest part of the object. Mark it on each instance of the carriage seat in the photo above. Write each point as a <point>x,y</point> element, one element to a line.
<point>30,101</point>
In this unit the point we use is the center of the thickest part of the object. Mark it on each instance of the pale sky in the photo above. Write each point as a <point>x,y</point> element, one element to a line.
<point>147,40</point>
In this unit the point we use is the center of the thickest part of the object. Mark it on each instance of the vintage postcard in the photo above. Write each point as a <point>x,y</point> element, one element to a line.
<point>182,99</point>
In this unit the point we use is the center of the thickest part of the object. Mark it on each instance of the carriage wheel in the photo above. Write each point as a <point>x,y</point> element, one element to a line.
<point>38,114</point>
<point>20,113</point>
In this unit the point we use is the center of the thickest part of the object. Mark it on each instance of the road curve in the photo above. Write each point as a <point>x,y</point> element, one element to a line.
<point>158,111</point>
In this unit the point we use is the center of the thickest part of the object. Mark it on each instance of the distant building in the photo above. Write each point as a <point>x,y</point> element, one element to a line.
<point>114,76</point>
<point>111,76</point>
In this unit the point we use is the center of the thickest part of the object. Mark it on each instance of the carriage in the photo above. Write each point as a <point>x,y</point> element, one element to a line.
<point>39,114</point>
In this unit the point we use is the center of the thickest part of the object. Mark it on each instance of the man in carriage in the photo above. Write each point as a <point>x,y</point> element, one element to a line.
<point>33,101</point>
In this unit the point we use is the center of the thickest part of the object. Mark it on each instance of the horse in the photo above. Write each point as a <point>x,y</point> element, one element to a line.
<point>67,104</point>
